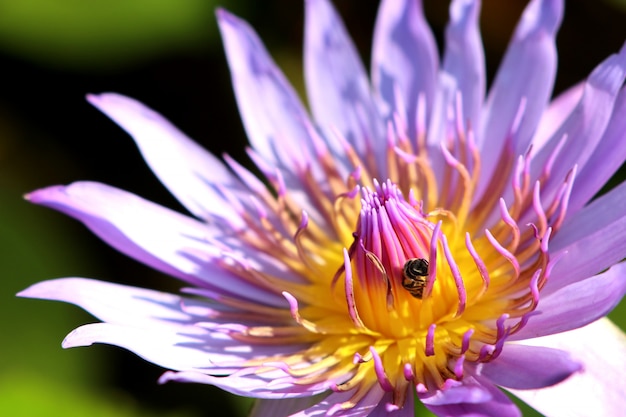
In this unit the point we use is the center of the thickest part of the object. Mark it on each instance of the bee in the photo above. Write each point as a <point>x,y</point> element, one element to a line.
<point>414,273</point>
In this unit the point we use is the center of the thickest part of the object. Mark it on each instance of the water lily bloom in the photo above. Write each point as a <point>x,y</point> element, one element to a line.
<point>413,239</point>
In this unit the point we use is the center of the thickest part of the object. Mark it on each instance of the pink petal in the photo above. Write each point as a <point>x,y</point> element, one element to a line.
<point>599,389</point>
<point>527,367</point>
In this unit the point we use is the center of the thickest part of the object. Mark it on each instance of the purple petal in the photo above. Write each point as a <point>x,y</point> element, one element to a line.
<point>404,57</point>
<point>592,241</point>
<point>273,384</point>
<point>527,73</point>
<point>321,408</point>
<point>556,113</point>
<point>185,348</point>
<point>159,231</point>
<point>471,391</point>
<point>494,402</point>
<point>440,123</point>
<point>599,389</point>
<point>384,405</point>
<point>276,122</point>
<point>605,160</point>
<point>464,57</point>
<point>279,408</point>
<point>197,178</point>
<point>114,303</point>
<point>585,125</point>
<point>330,405</point>
<point>136,313</point>
<point>336,82</point>
<point>183,166</point>
<point>163,347</point>
<point>601,212</point>
<point>152,234</point>
<point>577,304</point>
<point>274,118</point>
<point>179,347</point>
<point>528,367</point>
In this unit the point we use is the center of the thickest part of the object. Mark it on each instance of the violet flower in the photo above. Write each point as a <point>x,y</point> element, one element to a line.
<point>418,241</point>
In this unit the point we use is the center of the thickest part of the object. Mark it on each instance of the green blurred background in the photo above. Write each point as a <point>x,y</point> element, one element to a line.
<point>167,53</point>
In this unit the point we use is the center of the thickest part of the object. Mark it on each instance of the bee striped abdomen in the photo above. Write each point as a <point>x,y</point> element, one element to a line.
<point>414,273</point>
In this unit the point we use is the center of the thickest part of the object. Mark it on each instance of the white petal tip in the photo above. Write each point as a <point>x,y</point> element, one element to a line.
<point>76,339</point>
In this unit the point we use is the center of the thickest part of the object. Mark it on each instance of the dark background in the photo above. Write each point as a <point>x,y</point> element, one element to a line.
<point>173,62</point>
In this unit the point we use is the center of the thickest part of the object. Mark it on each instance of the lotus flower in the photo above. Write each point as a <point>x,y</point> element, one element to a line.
<point>411,240</point>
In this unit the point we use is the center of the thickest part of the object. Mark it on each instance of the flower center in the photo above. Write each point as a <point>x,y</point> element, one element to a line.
<point>390,258</point>
<point>400,281</point>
